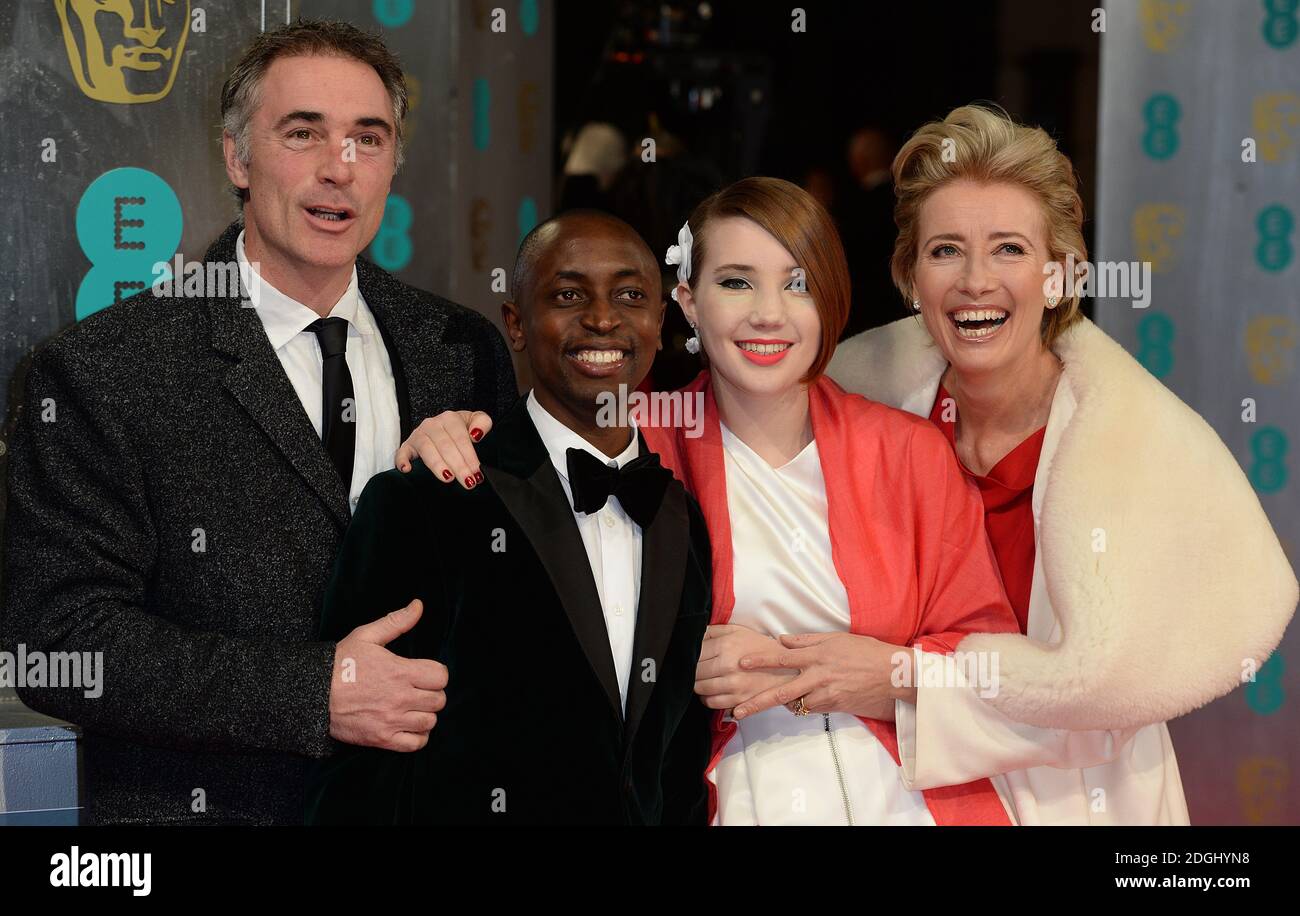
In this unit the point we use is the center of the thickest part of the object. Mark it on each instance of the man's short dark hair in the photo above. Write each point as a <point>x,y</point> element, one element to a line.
<point>240,94</point>
<point>535,240</point>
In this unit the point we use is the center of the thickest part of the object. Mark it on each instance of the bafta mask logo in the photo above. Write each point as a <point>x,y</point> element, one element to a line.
<point>1270,348</point>
<point>1163,25</point>
<point>125,51</point>
<point>1276,119</point>
<point>1155,229</point>
<point>1262,786</point>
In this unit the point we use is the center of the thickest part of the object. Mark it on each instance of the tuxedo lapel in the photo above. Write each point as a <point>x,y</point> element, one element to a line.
<point>663,573</point>
<point>515,462</point>
<point>258,382</point>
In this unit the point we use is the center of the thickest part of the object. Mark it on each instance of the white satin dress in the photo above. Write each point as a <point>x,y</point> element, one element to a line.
<point>779,768</point>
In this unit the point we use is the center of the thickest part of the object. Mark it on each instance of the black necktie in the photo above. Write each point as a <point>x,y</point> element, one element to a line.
<point>639,484</point>
<point>338,406</point>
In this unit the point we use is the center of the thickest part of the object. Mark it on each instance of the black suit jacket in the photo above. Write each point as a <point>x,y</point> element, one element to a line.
<point>171,506</point>
<point>533,730</point>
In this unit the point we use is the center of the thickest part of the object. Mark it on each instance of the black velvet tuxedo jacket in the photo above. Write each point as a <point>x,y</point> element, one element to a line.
<point>533,731</point>
<point>171,506</point>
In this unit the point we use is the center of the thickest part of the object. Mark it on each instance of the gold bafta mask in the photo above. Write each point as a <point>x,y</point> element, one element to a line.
<point>1270,342</point>
<point>124,51</point>
<point>1261,786</point>
<point>1276,119</point>
<point>414,95</point>
<point>1155,226</point>
<point>1162,23</point>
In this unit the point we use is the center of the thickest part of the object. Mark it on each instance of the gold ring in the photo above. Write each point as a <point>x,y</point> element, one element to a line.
<point>799,708</point>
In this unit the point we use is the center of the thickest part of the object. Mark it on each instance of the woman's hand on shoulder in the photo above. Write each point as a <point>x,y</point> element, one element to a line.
<point>445,444</point>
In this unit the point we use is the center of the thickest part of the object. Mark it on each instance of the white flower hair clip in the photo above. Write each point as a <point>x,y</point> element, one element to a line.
<point>680,254</point>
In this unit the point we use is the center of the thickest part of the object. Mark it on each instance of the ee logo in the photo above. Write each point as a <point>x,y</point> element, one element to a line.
<point>1161,113</point>
<point>526,217</point>
<point>393,13</point>
<point>128,220</point>
<point>1274,250</point>
<point>1280,26</point>
<point>1268,470</point>
<point>1155,335</point>
<point>392,247</point>
<point>530,16</point>
<point>1264,695</point>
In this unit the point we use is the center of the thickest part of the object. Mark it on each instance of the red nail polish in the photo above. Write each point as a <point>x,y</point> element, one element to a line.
<point>476,434</point>
<point>469,482</point>
<point>478,476</point>
<point>446,474</point>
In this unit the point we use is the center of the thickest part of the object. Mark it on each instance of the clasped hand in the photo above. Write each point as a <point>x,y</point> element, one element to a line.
<point>745,671</point>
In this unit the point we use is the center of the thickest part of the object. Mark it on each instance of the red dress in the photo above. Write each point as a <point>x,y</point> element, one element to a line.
<point>1007,491</point>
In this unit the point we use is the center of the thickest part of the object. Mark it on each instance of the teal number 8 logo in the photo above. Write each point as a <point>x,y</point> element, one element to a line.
<point>1155,338</point>
<point>392,246</point>
<point>1274,250</point>
<point>1265,695</point>
<point>1268,470</point>
<point>128,219</point>
<point>1161,113</point>
<point>393,13</point>
<point>1280,26</point>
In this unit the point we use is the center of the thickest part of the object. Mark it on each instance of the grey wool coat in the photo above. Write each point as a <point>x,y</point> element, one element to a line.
<point>171,506</point>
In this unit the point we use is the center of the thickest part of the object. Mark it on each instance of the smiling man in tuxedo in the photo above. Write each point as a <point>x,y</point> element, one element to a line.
<point>566,595</point>
<point>180,505</point>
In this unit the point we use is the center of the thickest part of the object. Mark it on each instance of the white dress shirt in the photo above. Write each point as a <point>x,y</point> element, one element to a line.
<point>612,539</point>
<point>779,768</point>
<point>286,320</point>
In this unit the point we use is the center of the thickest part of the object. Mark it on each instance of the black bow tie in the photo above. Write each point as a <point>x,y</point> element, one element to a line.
<point>639,484</point>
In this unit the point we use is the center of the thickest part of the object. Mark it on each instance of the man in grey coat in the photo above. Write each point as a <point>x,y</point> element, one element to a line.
<point>184,466</point>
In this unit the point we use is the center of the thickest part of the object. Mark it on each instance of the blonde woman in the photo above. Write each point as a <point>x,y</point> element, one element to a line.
<point>1143,570</point>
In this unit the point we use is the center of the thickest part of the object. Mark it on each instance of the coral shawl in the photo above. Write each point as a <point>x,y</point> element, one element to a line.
<point>907,540</point>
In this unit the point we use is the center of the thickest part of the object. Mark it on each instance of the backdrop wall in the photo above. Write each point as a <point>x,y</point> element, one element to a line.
<point>1188,90</point>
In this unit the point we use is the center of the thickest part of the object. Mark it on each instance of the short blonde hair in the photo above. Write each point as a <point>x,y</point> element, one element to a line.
<point>983,144</point>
